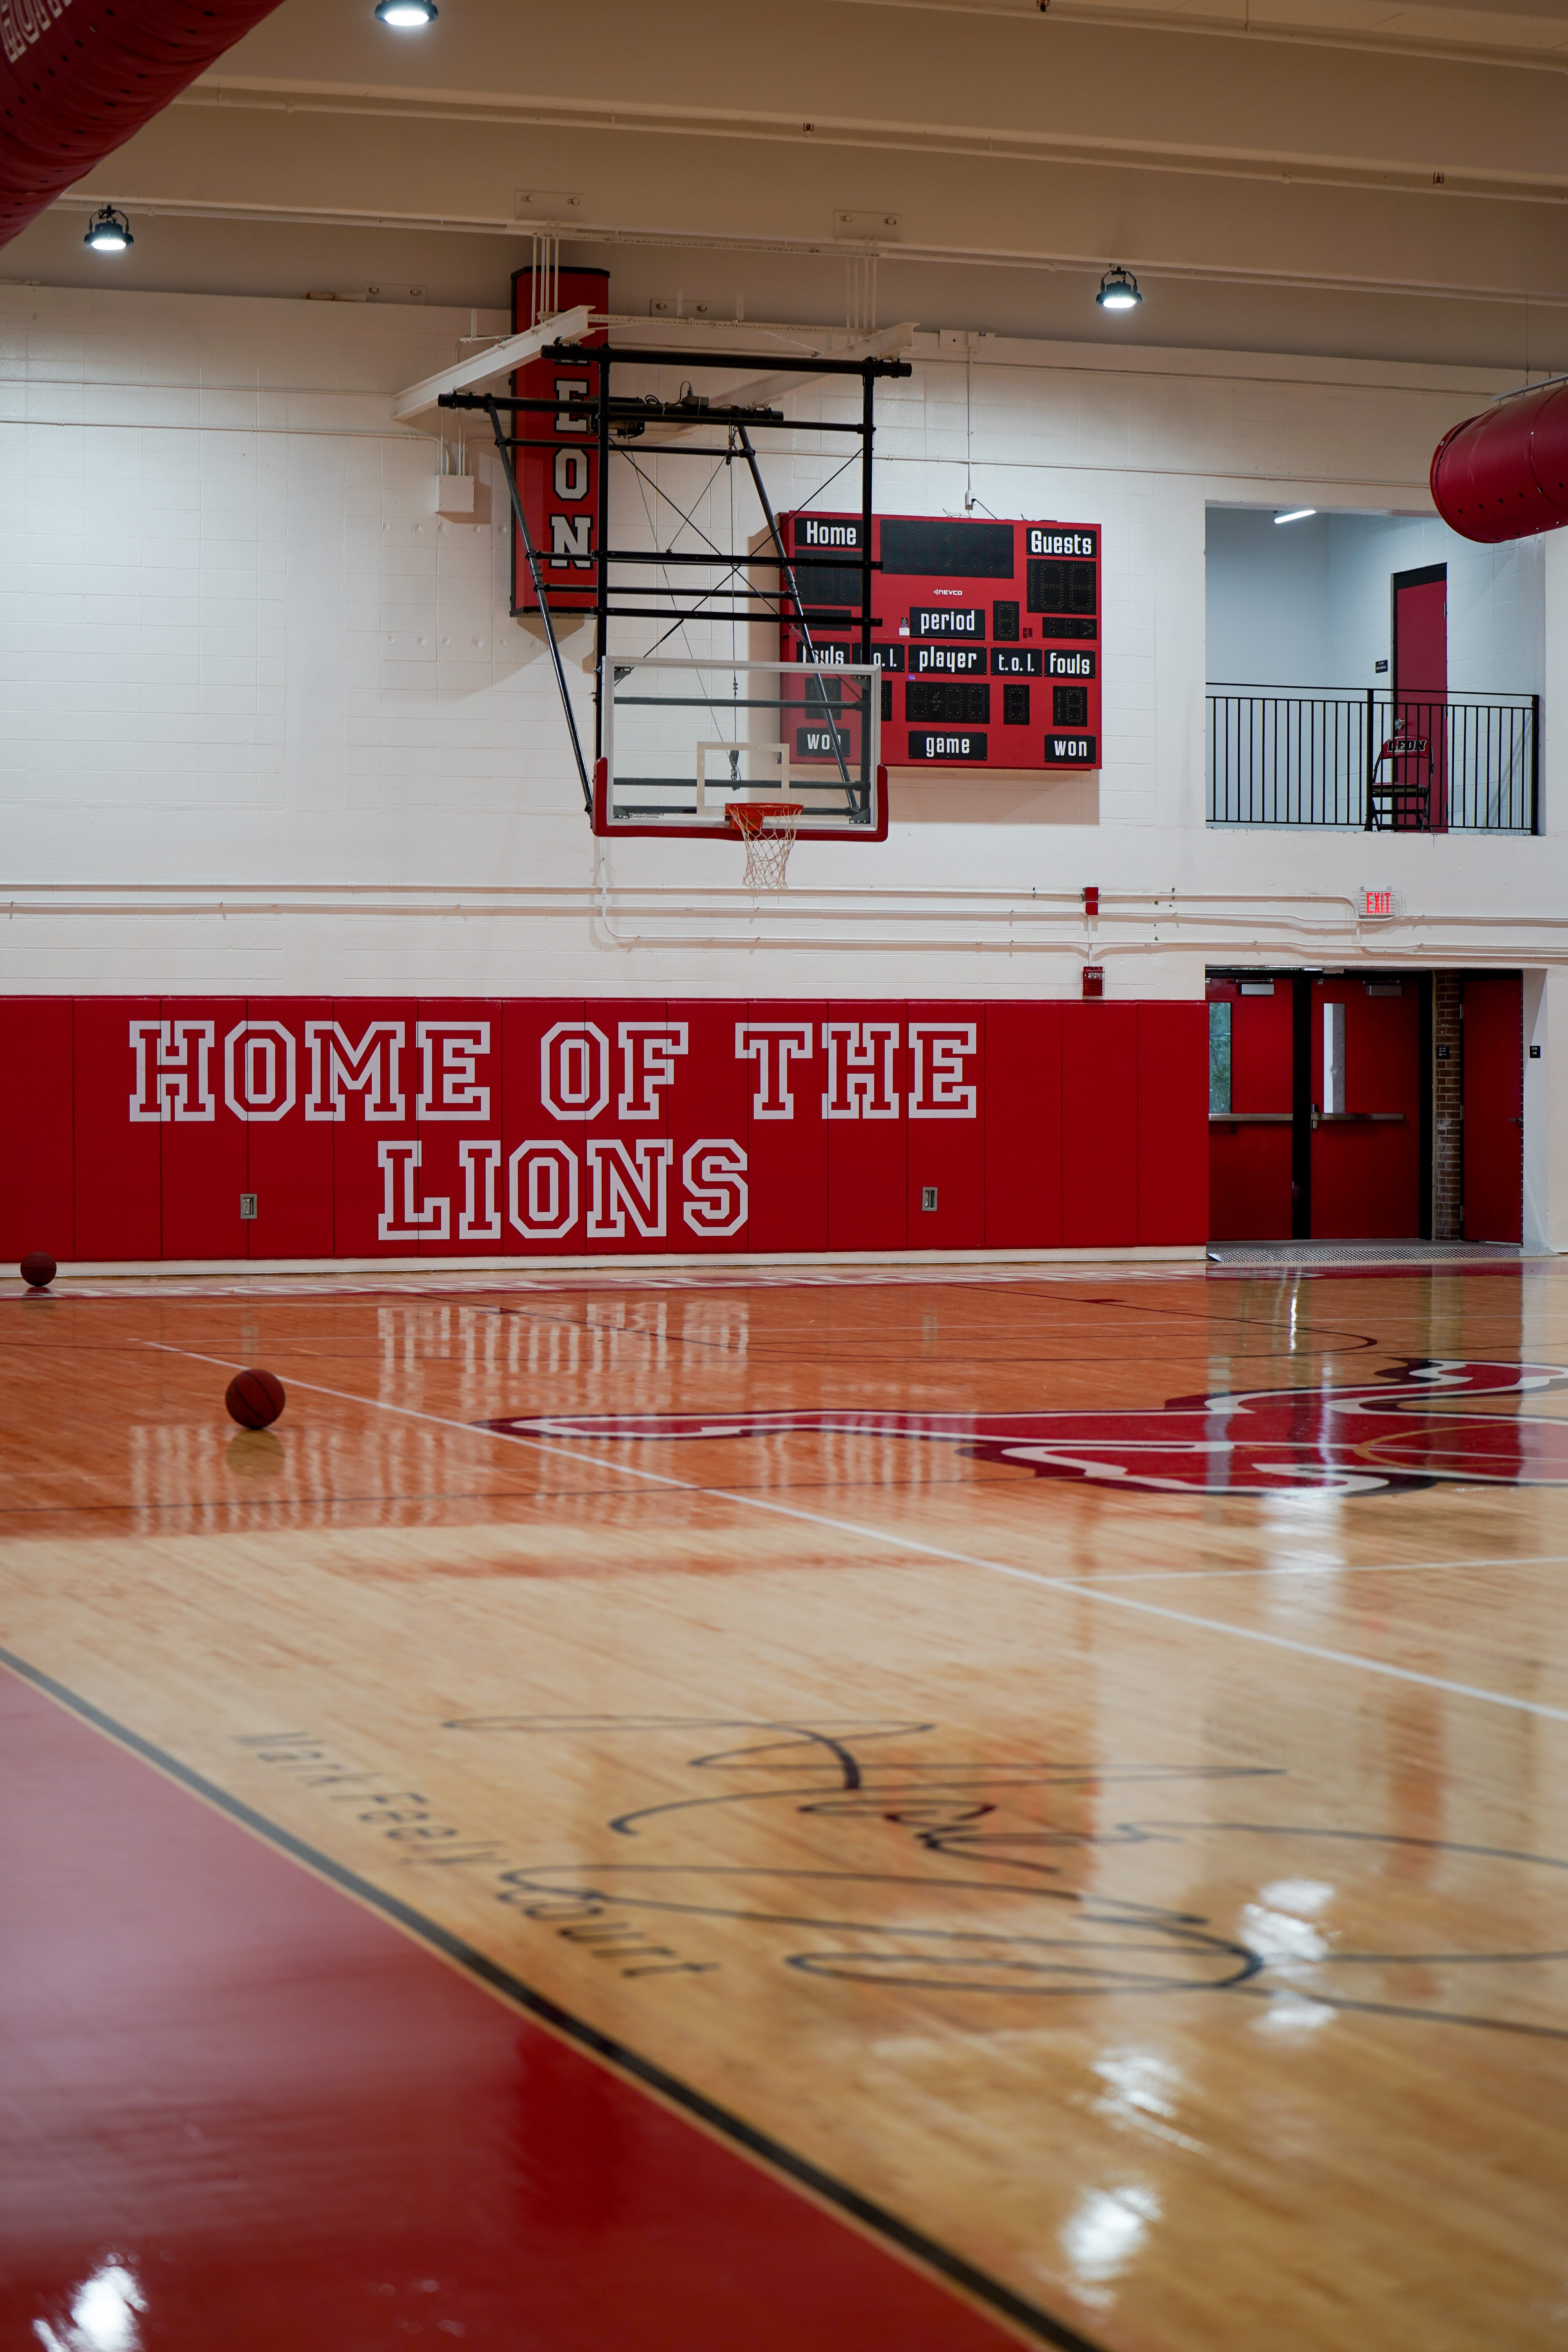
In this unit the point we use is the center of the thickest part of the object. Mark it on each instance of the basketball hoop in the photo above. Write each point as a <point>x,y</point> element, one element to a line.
<point>768,832</point>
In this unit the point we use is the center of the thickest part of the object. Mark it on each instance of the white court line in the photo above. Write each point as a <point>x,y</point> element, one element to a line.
<point>1334,1567</point>
<point>891,1541</point>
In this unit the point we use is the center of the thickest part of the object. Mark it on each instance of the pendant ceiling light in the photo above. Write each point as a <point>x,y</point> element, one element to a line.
<point>109,231</point>
<point>1119,291</point>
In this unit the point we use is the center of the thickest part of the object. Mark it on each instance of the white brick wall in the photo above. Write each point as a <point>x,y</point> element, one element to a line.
<point>241,660</point>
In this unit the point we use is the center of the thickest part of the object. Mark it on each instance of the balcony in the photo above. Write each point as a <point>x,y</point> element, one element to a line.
<point>1373,762</point>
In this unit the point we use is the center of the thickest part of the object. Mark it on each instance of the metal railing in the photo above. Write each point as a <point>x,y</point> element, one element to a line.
<point>1373,761</point>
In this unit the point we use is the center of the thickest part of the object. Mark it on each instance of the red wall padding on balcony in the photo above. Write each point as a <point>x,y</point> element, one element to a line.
<point>399,1127</point>
<point>79,78</point>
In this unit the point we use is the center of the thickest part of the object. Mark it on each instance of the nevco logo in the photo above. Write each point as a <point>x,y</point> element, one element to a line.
<point>23,22</point>
<point>812,533</point>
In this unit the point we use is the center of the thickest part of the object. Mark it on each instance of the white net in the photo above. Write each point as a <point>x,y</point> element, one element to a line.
<point>769,836</point>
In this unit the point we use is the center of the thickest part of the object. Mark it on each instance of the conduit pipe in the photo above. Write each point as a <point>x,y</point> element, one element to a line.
<point>1504,474</point>
<point>79,78</point>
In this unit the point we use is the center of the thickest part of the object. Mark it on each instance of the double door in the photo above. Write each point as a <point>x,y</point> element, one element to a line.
<point>1316,1107</point>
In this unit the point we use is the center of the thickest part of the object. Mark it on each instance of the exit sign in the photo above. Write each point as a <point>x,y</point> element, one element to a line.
<point>1372,905</point>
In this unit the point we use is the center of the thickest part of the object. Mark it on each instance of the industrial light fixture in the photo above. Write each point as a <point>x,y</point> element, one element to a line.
<point>407,15</point>
<point>1119,291</point>
<point>1296,514</point>
<point>109,231</point>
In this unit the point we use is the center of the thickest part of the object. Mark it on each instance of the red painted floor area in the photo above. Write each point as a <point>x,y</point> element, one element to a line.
<point>239,2110</point>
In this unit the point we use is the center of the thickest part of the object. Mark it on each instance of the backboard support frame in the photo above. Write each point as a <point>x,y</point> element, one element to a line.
<point>619,425</point>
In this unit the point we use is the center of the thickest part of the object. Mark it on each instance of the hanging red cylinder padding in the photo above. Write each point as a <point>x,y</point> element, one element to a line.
<point>1505,474</point>
<point>79,78</point>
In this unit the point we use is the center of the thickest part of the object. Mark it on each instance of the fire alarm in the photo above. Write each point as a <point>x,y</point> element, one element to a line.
<point>1091,900</point>
<point>1094,980</point>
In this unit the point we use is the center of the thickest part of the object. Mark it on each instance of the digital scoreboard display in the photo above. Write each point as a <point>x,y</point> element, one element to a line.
<point>988,633</point>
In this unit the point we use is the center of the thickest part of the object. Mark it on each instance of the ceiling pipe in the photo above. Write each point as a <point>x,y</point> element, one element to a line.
<point>79,78</point>
<point>1504,474</point>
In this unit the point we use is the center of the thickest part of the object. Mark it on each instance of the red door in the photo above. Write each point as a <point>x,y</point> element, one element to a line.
<point>1421,686</point>
<point>1366,1109</point>
<point>1494,1109</point>
<point>1249,1123</point>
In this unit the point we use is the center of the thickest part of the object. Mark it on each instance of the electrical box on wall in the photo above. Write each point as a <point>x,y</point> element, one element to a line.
<point>988,633</point>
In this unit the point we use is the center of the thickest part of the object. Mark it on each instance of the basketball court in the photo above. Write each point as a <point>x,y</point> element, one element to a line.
<point>784,1410</point>
<point>925,1811</point>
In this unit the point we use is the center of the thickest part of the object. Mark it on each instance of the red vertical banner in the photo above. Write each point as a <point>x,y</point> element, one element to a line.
<point>456,1072</point>
<point>120,1097</point>
<point>559,483</point>
<point>1100,1125</point>
<point>1024,1126</point>
<point>708,1122</point>
<point>36,1176</point>
<point>945,1107</point>
<point>205,1165</point>
<point>1172,1123</point>
<point>864,1066</point>
<point>778,1044</point>
<point>362,1082</point>
<point>555,1067</point>
<point>266,1069</point>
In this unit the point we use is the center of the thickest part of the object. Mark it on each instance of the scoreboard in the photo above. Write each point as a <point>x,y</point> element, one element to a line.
<point>988,633</point>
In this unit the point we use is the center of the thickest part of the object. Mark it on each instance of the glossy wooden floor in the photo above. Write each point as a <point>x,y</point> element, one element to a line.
<point>1150,1899</point>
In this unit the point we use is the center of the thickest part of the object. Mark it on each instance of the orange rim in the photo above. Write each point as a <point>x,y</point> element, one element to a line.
<point>749,816</point>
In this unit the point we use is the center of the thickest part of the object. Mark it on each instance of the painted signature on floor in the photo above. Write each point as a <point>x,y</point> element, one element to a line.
<point>1001,1880</point>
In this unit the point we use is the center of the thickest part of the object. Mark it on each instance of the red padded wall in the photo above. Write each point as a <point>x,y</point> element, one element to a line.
<point>1038,1125</point>
<point>36,1190</point>
<point>948,1153</point>
<point>1173,1122</point>
<point>789,1156</point>
<point>118,1161</point>
<point>204,1163</point>
<point>526,1024</point>
<point>711,1106</point>
<point>867,1155</point>
<point>290,1158</point>
<point>1024,1126</point>
<point>1099,1124</point>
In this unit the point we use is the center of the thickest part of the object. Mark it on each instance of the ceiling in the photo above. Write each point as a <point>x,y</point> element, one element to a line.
<point>1317,175</point>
